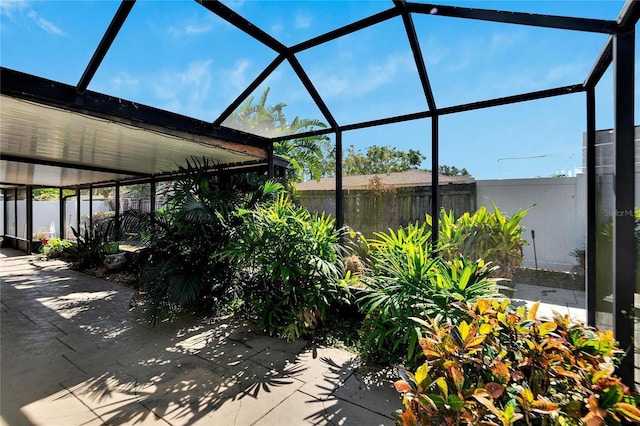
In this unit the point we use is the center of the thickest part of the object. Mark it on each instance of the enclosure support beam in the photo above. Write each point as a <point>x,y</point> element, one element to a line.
<point>63,232</point>
<point>78,209</point>
<point>29,212</point>
<point>152,196</point>
<point>90,206</point>
<point>15,217</point>
<point>590,253</point>
<point>339,194</point>
<point>116,231</point>
<point>435,182</point>
<point>624,244</point>
<point>105,44</point>
<point>4,212</point>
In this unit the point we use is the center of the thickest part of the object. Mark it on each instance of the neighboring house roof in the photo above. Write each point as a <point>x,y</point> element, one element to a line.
<point>407,178</point>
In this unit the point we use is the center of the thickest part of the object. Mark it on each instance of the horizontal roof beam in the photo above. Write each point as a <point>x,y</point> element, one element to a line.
<point>530,96</point>
<point>62,164</point>
<point>520,18</point>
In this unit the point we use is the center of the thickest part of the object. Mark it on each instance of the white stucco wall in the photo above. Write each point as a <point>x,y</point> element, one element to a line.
<point>557,215</point>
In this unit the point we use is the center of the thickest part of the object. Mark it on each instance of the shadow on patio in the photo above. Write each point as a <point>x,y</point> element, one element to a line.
<point>73,353</point>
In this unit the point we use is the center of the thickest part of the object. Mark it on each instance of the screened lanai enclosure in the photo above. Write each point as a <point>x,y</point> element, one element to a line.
<point>125,111</point>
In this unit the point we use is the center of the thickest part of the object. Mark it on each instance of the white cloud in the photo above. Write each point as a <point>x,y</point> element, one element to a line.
<point>434,51</point>
<point>234,4</point>
<point>9,7</point>
<point>500,42</point>
<point>342,81</point>
<point>237,75</point>
<point>574,72</point>
<point>302,21</point>
<point>185,91</point>
<point>195,77</point>
<point>190,29</point>
<point>277,29</point>
<point>124,80</point>
<point>197,29</point>
<point>44,24</point>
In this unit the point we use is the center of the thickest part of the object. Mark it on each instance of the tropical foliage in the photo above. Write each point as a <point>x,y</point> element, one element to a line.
<point>55,247</point>
<point>291,264</point>
<point>407,280</point>
<point>89,248</point>
<point>494,364</point>
<point>492,236</point>
<point>305,154</point>
<point>180,270</point>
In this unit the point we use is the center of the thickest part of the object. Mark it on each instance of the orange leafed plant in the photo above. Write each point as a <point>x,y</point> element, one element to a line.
<point>495,364</point>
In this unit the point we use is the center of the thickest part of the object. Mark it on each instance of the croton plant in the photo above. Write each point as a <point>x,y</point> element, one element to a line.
<point>497,364</point>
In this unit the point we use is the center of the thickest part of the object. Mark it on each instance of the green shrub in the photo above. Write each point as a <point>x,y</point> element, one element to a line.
<point>180,270</point>
<point>497,365</point>
<point>406,281</point>
<point>89,249</point>
<point>291,264</point>
<point>491,236</point>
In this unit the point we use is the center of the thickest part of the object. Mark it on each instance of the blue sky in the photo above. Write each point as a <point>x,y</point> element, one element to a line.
<point>176,55</point>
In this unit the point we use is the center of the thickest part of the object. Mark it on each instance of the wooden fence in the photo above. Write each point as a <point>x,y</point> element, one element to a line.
<point>369,211</point>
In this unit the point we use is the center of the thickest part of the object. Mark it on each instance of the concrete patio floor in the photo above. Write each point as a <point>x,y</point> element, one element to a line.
<point>73,353</point>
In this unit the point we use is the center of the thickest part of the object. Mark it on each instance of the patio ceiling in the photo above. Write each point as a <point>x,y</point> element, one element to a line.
<point>50,139</point>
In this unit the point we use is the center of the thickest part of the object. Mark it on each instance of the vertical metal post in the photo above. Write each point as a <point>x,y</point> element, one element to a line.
<point>63,232</point>
<point>4,212</point>
<point>435,182</point>
<point>117,235</point>
<point>78,202</point>
<point>270,162</point>
<point>590,258</point>
<point>29,212</point>
<point>339,192</point>
<point>15,217</point>
<point>152,196</point>
<point>624,244</point>
<point>90,206</point>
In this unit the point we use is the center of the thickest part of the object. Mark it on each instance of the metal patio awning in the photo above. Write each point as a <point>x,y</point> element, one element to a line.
<point>52,136</point>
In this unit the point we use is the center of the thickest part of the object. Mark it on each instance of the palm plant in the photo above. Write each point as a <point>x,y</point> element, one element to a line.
<point>491,236</point>
<point>305,154</point>
<point>180,269</point>
<point>291,261</point>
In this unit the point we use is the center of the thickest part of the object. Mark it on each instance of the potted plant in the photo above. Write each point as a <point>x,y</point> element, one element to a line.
<point>55,247</point>
<point>114,258</point>
<point>41,236</point>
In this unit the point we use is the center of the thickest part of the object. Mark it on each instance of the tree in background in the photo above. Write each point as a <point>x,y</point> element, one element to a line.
<point>377,160</point>
<point>305,155</point>
<point>50,194</point>
<point>452,171</point>
<point>380,159</point>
